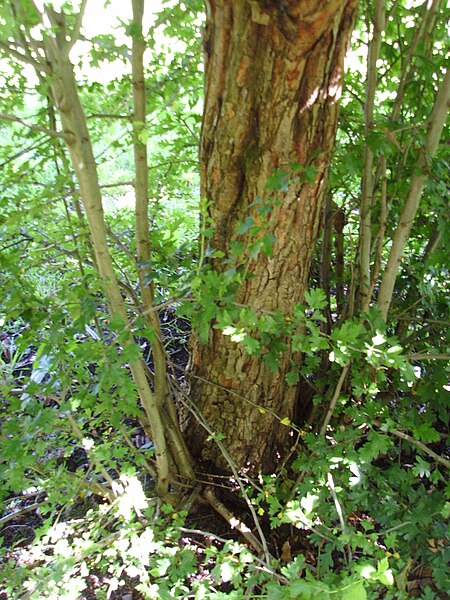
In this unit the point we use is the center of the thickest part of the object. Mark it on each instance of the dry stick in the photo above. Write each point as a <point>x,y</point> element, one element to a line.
<point>90,486</point>
<point>19,513</point>
<point>408,438</point>
<point>265,568</point>
<point>411,205</point>
<point>367,184</point>
<point>232,520</point>
<point>245,399</point>
<point>136,452</point>
<point>334,399</point>
<point>186,403</point>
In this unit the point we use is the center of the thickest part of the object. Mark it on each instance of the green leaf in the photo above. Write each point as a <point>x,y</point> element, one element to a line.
<point>316,299</point>
<point>131,353</point>
<point>386,578</point>
<point>421,468</point>
<point>304,590</point>
<point>292,377</point>
<point>310,174</point>
<point>356,591</point>
<point>426,433</point>
<point>251,345</point>
<point>267,242</point>
<point>245,226</point>
<point>278,181</point>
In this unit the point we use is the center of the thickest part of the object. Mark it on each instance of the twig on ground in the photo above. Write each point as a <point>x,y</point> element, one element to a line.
<point>234,523</point>
<point>20,512</point>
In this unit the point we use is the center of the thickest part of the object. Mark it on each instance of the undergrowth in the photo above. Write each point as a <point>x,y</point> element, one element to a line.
<point>356,511</point>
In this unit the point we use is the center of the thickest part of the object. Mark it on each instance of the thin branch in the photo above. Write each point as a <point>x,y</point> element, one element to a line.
<point>445,322</point>
<point>29,44</point>
<point>367,183</point>
<point>20,153</point>
<point>79,435</point>
<point>50,132</point>
<point>381,232</point>
<point>189,128</point>
<point>76,31</point>
<point>234,523</point>
<point>136,452</point>
<point>19,513</point>
<point>118,184</point>
<point>109,116</point>
<point>121,245</point>
<point>171,432</point>
<point>408,438</point>
<point>37,65</point>
<point>334,399</point>
<point>421,32</point>
<point>339,511</point>
<point>419,356</point>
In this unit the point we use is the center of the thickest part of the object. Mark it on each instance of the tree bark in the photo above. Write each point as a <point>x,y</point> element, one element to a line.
<point>273,81</point>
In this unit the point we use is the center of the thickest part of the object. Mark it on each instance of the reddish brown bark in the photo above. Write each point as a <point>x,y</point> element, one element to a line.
<point>273,80</point>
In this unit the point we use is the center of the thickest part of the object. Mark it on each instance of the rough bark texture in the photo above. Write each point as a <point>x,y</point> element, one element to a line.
<point>273,81</point>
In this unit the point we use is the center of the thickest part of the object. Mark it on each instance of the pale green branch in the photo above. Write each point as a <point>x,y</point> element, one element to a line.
<point>412,201</point>
<point>50,132</point>
<point>76,31</point>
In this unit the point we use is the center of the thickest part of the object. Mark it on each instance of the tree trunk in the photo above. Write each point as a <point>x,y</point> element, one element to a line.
<point>273,81</point>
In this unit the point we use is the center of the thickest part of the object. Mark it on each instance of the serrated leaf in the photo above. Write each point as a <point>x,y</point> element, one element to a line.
<point>251,345</point>
<point>421,468</point>
<point>316,299</point>
<point>426,433</point>
<point>292,377</point>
